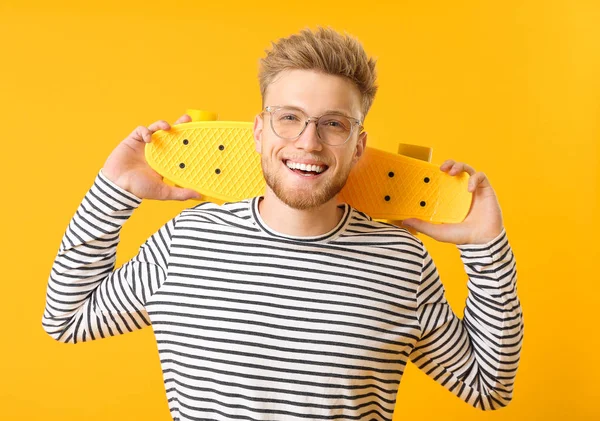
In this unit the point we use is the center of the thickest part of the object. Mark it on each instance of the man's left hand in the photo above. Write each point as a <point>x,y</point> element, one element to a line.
<point>484,220</point>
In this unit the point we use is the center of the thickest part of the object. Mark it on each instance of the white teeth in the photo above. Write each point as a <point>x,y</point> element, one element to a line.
<point>304,167</point>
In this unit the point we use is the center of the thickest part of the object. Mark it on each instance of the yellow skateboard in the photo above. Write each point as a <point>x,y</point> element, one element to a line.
<point>218,160</point>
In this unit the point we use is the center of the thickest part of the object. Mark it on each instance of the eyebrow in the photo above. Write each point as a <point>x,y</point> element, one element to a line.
<point>325,112</point>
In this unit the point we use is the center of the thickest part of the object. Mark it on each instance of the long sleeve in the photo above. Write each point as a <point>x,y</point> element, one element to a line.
<point>86,298</point>
<point>477,357</point>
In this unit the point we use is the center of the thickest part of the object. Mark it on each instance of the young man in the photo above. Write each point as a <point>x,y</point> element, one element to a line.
<point>292,306</point>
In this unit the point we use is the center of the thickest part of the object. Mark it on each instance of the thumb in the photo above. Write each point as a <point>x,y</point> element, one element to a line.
<point>419,225</point>
<point>411,223</point>
<point>446,233</point>
<point>179,193</point>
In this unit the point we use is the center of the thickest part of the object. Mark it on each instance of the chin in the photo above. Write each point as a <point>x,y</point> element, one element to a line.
<point>303,197</point>
<point>302,201</point>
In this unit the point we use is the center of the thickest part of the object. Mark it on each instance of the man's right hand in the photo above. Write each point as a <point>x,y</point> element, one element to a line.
<point>127,167</point>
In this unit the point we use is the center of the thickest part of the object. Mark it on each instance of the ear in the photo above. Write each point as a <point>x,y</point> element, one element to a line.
<point>258,127</point>
<point>361,145</point>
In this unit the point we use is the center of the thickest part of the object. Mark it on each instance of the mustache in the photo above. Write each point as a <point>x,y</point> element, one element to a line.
<point>298,157</point>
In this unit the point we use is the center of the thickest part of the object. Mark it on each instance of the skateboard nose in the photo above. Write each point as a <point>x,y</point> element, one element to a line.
<point>202,115</point>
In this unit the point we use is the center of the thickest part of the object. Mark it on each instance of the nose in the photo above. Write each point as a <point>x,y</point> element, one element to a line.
<point>309,139</point>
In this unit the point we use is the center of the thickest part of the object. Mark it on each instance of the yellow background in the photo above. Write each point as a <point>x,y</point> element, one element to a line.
<point>511,87</point>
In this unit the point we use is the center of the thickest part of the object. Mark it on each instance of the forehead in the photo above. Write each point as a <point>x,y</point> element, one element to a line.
<point>314,92</point>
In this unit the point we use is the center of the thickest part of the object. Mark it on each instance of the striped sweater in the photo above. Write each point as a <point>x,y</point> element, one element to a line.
<point>252,324</point>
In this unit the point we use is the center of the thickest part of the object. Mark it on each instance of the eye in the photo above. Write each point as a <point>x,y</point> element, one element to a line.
<point>288,116</point>
<point>335,123</point>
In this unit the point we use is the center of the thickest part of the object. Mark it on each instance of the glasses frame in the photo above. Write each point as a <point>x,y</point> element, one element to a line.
<point>273,108</point>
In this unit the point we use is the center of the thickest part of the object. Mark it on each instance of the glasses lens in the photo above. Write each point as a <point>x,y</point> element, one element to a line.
<point>334,129</point>
<point>288,123</point>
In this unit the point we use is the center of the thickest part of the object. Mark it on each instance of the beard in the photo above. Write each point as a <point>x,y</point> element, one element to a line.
<point>305,197</point>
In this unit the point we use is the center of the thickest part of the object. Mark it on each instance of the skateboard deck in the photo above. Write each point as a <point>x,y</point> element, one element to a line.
<point>218,159</point>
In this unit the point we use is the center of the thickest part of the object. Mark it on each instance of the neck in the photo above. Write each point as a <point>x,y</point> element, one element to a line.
<point>299,223</point>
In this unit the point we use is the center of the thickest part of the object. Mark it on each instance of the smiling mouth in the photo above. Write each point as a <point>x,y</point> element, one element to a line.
<point>306,170</point>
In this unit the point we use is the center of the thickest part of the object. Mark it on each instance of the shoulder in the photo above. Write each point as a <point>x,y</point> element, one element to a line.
<point>229,213</point>
<point>363,223</point>
<point>240,207</point>
<point>364,229</point>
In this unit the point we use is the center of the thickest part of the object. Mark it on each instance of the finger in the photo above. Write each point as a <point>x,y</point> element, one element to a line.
<point>179,193</point>
<point>447,164</point>
<point>141,134</point>
<point>183,119</point>
<point>459,167</point>
<point>159,125</point>
<point>478,180</point>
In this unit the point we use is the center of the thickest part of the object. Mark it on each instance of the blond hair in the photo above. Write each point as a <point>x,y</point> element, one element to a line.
<point>323,50</point>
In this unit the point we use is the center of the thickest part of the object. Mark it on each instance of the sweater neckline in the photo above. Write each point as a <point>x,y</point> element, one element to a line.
<point>327,237</point>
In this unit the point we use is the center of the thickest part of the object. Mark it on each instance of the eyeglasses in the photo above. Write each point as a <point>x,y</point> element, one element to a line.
<point>333,129</point>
